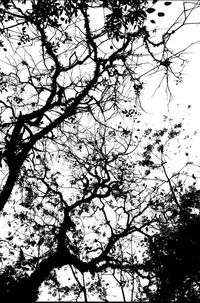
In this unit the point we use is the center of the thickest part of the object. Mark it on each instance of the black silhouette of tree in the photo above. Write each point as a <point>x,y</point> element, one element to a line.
<point>174,254</point>
<point>76,184</point>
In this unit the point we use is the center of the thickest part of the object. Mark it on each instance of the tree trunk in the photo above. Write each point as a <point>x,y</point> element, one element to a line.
<point>26,289</point>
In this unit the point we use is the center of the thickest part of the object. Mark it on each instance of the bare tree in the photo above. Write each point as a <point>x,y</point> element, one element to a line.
<point>75,186</point>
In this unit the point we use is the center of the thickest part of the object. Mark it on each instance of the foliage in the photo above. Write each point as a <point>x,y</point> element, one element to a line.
<point>173,254</point>
<point>81,181</point>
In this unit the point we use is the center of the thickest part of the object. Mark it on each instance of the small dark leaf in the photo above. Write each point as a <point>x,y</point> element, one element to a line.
<point>167,3</point>
<point>152,21</point>
<point>150,10</point>
<point>5,3</point>
<point>154,1</point>
<point>41,241</point>
<point>160,14</point>
<point>105,3</point>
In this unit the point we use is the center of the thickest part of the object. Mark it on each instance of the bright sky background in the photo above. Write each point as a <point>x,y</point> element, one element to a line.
<point>184,94</point>
<point>185,102</point>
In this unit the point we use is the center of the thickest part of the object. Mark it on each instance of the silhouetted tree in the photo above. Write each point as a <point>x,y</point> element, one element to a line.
<point>76,186</point>
<point>174,254</point>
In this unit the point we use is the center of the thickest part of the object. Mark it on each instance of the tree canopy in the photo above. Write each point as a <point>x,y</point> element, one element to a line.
<point>82,183</point>
<point>174,254</point>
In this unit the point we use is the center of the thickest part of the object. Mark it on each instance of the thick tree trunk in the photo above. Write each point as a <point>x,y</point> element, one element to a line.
<point>26,290</point>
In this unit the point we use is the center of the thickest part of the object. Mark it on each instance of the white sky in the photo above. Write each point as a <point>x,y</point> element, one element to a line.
<point>184,94</point>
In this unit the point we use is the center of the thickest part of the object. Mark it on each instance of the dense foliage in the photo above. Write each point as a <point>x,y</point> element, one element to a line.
<point>173,254</point>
